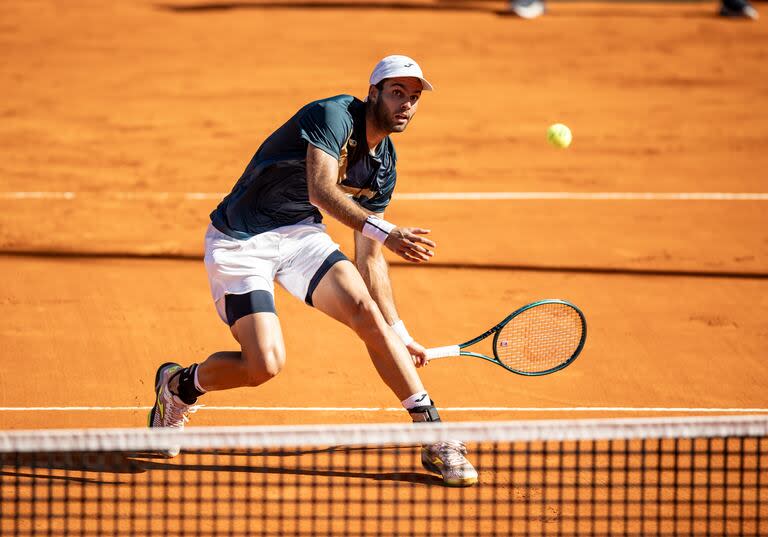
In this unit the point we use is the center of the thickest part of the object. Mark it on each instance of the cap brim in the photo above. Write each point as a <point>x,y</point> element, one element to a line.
<point>425,85</point>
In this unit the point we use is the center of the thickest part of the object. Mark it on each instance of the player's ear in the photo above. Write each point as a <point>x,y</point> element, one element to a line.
<point>373,93</point>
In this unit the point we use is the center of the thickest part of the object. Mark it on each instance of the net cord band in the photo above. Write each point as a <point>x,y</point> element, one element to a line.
<point>58,440</point>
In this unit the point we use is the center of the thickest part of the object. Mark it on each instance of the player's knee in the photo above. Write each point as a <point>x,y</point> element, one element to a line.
<point>263,364</point>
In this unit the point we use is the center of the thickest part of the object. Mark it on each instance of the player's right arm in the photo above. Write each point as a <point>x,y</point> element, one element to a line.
<point>322,176</point>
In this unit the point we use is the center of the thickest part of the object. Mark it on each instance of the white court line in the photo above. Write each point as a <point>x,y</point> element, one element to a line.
<point>396,409</point>
<point>417,196</point>
<point>668,196</point>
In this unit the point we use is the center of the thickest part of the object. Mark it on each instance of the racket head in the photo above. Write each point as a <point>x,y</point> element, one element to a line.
<point>540,338</point>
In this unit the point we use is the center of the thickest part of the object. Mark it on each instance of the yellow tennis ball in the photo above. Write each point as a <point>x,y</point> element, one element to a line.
<point>559,135</point>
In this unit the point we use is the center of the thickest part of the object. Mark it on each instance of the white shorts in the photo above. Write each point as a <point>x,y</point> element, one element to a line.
<point>297,256</point>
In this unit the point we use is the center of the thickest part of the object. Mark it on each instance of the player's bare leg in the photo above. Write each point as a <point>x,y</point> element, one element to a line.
<point>342,295</point>
<point>262,355</point>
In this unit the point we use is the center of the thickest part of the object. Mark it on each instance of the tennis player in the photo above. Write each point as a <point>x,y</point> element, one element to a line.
<point>334,154</point>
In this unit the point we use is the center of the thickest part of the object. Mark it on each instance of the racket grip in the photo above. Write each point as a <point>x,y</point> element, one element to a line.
<point>443,352</point>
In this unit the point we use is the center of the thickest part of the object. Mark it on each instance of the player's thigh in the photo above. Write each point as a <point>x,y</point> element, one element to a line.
<point>343,295</point>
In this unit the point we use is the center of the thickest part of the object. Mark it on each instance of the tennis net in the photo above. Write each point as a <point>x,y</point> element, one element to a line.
<point>638,477</point>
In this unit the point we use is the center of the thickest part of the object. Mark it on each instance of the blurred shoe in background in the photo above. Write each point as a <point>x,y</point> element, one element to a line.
<point>527,9</point>
<point>738,8</point>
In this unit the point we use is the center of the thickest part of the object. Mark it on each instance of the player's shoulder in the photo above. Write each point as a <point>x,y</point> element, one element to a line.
<point>342,100</point>
<point>343,104</point>
<point>339,113</point>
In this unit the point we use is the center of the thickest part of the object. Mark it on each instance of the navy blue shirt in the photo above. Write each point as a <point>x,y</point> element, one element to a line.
<point>272,192</point>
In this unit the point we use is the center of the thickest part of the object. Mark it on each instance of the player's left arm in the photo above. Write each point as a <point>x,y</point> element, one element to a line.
<point>373,266</point>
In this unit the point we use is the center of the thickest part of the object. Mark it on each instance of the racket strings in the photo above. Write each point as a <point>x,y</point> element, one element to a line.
<point>541,338</point>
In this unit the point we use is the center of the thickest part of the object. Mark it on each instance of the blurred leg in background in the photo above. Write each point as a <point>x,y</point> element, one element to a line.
<point>531,9</point>
<point>738,8</point>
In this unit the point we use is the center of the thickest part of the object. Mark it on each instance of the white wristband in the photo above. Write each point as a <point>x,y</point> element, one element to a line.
<point>377,229</point>
<point>402,332</point>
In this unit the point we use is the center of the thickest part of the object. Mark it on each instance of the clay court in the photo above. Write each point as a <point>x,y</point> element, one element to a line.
<point>123,125</point>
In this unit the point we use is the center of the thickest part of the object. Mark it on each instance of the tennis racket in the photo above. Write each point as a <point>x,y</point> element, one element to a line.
<point>538,339</point>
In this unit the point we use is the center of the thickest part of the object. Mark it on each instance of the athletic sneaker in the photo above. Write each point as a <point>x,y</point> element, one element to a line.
<point>447,459</point>
<point>527,9</point>
<point>169,410</point>
<point>738,8</point>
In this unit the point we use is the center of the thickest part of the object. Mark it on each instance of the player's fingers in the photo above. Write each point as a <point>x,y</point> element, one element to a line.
<point>418,254</point>
<point>421,249</point>
<point>420,230</point>
<point>418,354</point>
<point>405,254</point>
<point>422,357</point>
<point>422,240</point>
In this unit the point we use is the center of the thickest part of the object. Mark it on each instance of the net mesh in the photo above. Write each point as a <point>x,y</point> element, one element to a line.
<point>540,338</point>
<point>583,477</point>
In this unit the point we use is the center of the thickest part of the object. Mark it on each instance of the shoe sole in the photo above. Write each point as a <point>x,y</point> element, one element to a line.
<point>463,482</point>
<point>169,453</point>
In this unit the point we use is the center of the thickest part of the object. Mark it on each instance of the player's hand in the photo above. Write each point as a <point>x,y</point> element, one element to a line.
<point>418,354</point>
<point>408,243</point>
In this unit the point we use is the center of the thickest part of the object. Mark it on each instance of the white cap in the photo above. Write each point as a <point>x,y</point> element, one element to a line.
<point>395,66</point>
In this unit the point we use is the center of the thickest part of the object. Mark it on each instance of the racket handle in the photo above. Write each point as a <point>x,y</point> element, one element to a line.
<point>443,352</point>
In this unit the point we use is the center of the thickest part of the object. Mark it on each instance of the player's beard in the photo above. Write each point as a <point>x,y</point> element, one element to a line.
<point>385,120</point>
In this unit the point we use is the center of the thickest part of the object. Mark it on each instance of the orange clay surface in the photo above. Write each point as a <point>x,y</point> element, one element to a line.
<point>126,108</point>
<point>144,98</point>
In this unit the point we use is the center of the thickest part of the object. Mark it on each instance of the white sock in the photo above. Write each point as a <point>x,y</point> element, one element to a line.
<point>417,399</point>
<point>197,381</point>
